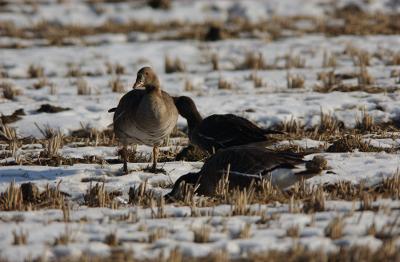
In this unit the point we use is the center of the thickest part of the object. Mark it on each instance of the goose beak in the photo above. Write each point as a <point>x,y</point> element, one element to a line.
<point>139,83</point>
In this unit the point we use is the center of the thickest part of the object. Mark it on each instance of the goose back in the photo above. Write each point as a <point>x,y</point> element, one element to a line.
<point>248,164</point>
<point>223,131</point>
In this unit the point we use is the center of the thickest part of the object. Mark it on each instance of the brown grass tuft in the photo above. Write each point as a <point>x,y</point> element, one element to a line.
<point>366,123</point>
<point>294,81</point>
<point>11,199</point>
<point>329,60</point>
<point>257,81</point>
<point>253,61</point>
<point>116,69</point>
<point>364,78</point>
<point>224,84</point>
<point>35,71</point>
<point>173,66</point>
<point>141,195</point>
<point>349,143</point>
<point>53,145</point>
<point>111,239</point>
<point>20,238</point>
<point>98,196</point>
<point>329,123</point>
<point>245,231</point>
<point>157,234</point>
<point>241,199</point>
<point>329,82</point>
<point>293,231</point>
<point>292,61</point>
<point>335,228</point>
<point>316,203</point>
<point>83,87</point>
<point>202,234</point>
<point>9,90</point>
<point>27,197</point>
<point>188,86</point>
<point>116,85</point>
<point>215,62</point>
<point>291,125</point>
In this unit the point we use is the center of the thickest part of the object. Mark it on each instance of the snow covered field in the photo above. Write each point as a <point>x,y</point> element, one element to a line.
<point>305,67</point>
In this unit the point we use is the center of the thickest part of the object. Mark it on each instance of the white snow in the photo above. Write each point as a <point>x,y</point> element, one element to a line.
<point>268,106</point>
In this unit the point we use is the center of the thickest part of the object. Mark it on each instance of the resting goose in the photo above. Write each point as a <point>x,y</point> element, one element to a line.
<point>144,116</point>
<point>218,131</point>
<point>248,164</point>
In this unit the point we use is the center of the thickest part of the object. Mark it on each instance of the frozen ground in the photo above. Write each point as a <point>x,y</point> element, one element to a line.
<point>141,230</point>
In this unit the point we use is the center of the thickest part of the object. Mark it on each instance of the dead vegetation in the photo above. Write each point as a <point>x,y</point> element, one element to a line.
<point>42,82</point>
<point>294,61</point>
<point>350,143</point>
<point>28,197</point>
<point>116,85</point>
<point>335,228</point>
<point>361,24</point>
<point>366,122</point>
<point>292,125</point>
<point>253,61</point>
<point>215,62</point>
<point>257,81</point>
<point>329,123</point>
<point>188,86</point>
<point>98,196</point>
<point>329,60</point>
<point>387,252</point>
<point>224,84</point>
<point>364,78</point>
<point>294,81</point>
<point>20,238</point>
<point>83,87</point>
<point>10,91</point>
<point>173,65</point>
<point>202,234</point>
<point>115,69</point>
<point>35,71</point>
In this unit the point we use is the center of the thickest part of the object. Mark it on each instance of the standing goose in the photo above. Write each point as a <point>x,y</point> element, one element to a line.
<point>249,164</point>
<point>144,116</point>
<point>218,131</point>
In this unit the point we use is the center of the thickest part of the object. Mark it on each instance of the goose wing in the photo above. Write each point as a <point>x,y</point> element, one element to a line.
<point>128,103</point>
<point>222,131</point>
<point>251,160</point>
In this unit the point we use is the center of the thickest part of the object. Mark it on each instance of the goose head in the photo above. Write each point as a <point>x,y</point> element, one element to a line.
<point>147,78</point>
<point>186,106</point>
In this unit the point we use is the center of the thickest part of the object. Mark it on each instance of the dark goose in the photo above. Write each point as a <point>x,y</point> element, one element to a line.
<point>218,131</point>
<point>248,164</point>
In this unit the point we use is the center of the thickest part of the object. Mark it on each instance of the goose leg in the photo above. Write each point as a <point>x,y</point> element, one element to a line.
<point>124,154</point>
<point>155,157</point>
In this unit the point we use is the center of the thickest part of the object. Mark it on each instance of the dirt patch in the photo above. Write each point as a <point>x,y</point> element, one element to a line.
<point>14,117</point>
<point>47,108</point>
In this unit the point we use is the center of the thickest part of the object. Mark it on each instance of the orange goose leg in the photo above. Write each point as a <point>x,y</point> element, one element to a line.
<point>155,157</point>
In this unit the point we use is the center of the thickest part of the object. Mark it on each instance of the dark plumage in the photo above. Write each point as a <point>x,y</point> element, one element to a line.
<point>248,164</point>
<point>218,131</point>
